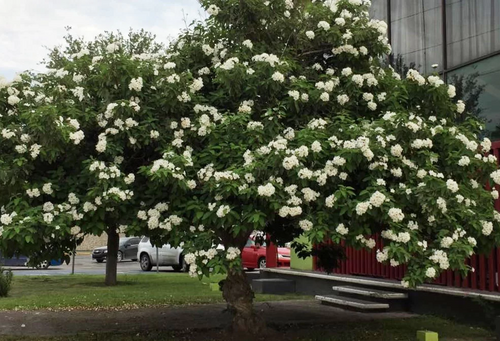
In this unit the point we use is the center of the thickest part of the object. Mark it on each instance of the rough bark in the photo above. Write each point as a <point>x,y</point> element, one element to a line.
<point>111,258</point>
<point>239,297</point>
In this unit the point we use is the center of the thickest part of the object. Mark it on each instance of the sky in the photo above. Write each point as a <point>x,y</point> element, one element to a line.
<point>27,27</point>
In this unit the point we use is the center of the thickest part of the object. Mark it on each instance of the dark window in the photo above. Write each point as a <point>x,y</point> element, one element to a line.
<point>134,241</point>
<point>488,75</point>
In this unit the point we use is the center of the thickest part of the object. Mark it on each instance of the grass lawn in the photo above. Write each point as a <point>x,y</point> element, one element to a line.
<point>133,291</point>
<point>381,330</point>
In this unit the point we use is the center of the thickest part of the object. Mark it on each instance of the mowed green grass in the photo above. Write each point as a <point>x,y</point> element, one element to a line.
<point>132,291</point>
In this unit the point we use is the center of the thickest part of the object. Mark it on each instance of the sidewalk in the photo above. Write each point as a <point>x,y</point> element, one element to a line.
<point>47,323</point>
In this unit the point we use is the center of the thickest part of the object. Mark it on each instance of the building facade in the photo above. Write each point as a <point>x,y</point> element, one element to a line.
<point>461,36</point>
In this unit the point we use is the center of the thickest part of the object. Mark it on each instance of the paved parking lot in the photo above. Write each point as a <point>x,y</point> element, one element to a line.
<point>85,265</point>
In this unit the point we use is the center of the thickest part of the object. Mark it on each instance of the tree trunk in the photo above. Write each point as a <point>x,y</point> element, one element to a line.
<point>111,257</point>
<point>239,296</point>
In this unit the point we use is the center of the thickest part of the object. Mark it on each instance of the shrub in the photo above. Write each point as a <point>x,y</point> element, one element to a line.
<point>5,282</point>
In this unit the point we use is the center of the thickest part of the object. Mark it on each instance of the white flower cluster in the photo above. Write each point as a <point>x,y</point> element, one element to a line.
<point>342,230</point>
<point>223,211</point>
<point>401,237</point>
<point>377,199</point>
<point>440,257</point>
<point>6,219</point>
<point>136,84</point>
<point>306,225</point>
<point>266,190</point>
<point>487,227</point>
<point>309,194</point>
<point>291,211</point>
<point>396,214</point>
<point>33,193</point>
<point>232,253</point>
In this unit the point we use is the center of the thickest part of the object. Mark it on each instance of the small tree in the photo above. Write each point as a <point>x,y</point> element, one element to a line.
<point>71,144</point>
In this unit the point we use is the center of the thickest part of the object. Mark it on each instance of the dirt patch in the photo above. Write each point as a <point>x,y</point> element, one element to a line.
<point>183,319</point>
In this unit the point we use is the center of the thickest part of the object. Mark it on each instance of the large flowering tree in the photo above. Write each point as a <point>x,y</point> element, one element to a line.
<point>292,126</point>
<point>273,116</point>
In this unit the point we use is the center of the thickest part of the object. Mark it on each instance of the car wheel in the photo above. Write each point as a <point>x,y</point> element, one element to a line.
<point>181,267</point>
<point>99,260</point>
<point>146,262</point>
<point>43,265</point>
<point>119,257</point>
<point>262,263</point>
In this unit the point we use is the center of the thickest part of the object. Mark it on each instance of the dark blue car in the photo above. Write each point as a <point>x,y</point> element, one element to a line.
<point>23,260</point>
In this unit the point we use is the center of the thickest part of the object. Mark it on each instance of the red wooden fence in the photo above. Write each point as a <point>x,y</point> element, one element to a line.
<point>485,277</point>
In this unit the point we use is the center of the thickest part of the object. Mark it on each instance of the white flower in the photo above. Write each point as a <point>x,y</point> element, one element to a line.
<point>73,199</point>
<point>487,227</point>
<point>154,134</point>
<point>13,100</point>
<point>324,25</point>
<point>305,225</point>
<point>441,204</point>
<point>6,219</point>
<point>346,71</point>
<point>396,215</point>
<point>213,10</point>
<point>310,34</point>
<point>460,106</point>
<point>232,253</point>
<point>290,162</point>
<point>325,97</point>
<point>278,77</point>
<point>452,185</point>
<point>316,147</point>
<point>340,21</point>
<point>472,241</point>
<point>77,136</point>
<point>464,161</point>
<point>330,201</point>
<point>451,91</point>
<point>223,210</point>
<point>496,176</point>
<point>430,272</point>
<point>111,48</point>
<point>342,99</point>
<point>21,148</point>
<point>248,43</point>
<point>48,217</point>
<point>397,150</point>
<point>342,230</point>
<point>267,190</point>
<point>129,179</point>
<point>362,207</point>
<point>48,206</point>
<point>377,199</point>
<point>47,188</point>
<point>383,255</point>
<point>136,84</point>
<point>309,194</point>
